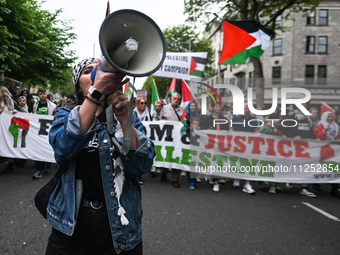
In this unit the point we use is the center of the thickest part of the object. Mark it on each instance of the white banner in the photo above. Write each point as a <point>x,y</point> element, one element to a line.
<point>186,66</point>
<point>242,155</point>
<point>24,135</point>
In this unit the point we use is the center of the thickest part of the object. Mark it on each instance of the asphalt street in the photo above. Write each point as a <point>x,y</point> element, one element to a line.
<point>183,221</point>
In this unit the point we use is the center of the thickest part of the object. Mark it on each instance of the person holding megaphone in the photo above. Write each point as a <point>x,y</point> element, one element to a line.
<point>96,206</point>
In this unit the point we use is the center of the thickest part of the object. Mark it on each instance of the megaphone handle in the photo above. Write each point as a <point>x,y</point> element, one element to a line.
<point>122,150</point>
<point>94,71</point>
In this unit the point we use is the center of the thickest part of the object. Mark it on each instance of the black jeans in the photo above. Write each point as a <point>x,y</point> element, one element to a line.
<point>92,236</point>
<point>40,165</point>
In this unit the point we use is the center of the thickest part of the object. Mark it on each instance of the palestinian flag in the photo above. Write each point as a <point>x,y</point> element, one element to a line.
<point>154,96</point>
<point>184,121</point>
<point>325,108</point>
<point>186,94</point>
<point>197,65</point>
<point>127,90</point>
<point>172,88</point>
<point>242,39</point>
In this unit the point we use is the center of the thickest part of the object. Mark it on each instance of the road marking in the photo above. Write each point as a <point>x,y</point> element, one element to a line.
<point>321,211</point>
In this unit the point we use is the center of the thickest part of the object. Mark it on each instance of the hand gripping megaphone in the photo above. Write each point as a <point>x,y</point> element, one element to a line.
<point>131,43</point>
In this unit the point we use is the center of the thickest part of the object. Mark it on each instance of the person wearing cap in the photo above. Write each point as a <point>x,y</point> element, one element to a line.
<point>156,115</point>
<point>96,206</point>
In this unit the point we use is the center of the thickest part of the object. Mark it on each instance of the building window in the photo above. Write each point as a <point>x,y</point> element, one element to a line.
<point>276,74</point>
<point>250,84</point>
<point>322,48</point>
<point>241,80</point>
<point>310,45</point>
<point>323,17</point>
<point>278,22</point>
<point>309,75</point>
<point>277,47</point>
<point>322,74</point>
<point>311,17</point>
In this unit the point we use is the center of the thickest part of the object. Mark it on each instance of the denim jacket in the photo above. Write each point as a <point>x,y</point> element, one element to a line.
<point>67,140</point>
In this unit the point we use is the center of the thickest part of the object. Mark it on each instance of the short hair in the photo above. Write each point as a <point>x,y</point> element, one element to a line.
<point>313,109</point>
<point>41,90</point>
<point>71,97</point>
<point>176,94</point>
<point>217,103</point>
<point>195,119</point>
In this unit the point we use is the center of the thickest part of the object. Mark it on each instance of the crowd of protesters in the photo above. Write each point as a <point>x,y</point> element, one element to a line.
<point>14,100</point>
<point>314,126</point>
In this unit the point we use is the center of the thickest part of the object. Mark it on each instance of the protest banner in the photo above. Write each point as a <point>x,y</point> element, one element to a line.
<point>25,136</point>
<point>240,155</point>
<point>180,65</point>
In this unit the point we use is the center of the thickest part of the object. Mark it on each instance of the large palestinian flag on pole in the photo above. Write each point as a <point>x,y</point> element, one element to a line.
<point>242,39</point>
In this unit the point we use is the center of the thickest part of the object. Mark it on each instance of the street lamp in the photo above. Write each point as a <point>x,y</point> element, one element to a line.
<point>187,42</point>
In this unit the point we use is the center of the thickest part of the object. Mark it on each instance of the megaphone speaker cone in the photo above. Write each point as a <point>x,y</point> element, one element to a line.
<point>132,43</point>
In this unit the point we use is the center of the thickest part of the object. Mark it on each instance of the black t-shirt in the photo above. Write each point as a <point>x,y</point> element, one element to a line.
<point>303,128</point>
<point>88,168</point>
<point>209,123</point>
<point>42,108</point>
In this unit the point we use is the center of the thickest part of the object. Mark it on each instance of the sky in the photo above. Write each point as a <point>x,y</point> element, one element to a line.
<point>88,15</point>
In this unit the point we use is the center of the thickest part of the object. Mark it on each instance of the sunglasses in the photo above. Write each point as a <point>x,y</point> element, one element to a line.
<point>142,103</point>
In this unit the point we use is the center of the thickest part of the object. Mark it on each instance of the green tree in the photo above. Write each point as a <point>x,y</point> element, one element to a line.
<point>32,44</point>
<point>67,88</point>
<point>265,11</point>
<point>162,86</point>
<point>177,40</point>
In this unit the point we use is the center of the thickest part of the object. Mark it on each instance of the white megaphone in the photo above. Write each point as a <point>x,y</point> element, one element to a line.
<point>131,43</point>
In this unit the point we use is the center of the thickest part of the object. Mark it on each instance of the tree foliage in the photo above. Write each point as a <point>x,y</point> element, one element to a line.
<point>32,44</point>
<point>162,86</point>
<point>177,40</point>
<point>208,12</point>
<point>67,88</point>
